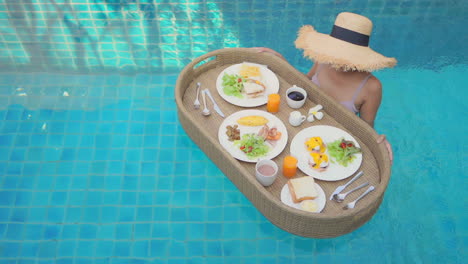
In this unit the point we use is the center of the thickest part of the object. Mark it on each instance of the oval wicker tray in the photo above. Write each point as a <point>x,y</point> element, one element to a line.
<point>333,221</point>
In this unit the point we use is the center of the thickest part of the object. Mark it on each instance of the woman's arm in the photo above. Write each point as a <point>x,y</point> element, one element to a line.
<point>370,107</point>
<point>372,99</point>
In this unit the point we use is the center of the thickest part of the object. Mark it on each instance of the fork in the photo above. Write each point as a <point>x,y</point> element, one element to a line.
<point>352,204</point>
<point>342,187</point>
<point>196,104</point>
<point>339,197</point>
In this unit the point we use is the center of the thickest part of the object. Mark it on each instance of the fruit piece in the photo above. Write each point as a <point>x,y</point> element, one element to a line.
<point>252,121</point>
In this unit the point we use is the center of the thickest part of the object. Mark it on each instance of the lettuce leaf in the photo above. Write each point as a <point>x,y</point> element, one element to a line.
<point>232,86</point>
<point>252,145</point>
<point>342,156</point>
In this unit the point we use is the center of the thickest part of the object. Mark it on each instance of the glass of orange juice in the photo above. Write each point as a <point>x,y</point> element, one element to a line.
<point>273,103</point>
<point>289,166</point>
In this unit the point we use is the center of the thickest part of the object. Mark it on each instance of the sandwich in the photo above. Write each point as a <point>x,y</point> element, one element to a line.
<point>253,88</point>
<point>302,189</point>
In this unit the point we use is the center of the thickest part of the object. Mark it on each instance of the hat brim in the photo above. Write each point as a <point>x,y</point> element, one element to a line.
<point>323,48</point>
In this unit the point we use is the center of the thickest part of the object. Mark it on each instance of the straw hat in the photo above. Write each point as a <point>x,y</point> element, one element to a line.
<point>347,46</point>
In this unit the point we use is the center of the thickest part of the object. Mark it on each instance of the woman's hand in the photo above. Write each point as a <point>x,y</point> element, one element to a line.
<point>268,50</point>
<point>383,139</point>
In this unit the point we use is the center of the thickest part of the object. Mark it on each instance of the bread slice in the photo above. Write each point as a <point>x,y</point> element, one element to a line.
<point>302,188</point>
<point>253,88</point>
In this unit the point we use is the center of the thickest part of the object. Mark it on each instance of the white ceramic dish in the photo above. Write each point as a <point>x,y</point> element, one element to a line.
<point>239,154</point>
<point>268,77</point>
<point>335,171</point>
<point>320,200</point>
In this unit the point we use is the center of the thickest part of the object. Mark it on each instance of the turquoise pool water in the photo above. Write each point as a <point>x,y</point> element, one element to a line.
<point>95,167</point>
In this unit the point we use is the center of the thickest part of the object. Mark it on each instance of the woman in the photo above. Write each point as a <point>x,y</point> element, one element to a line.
<point>343,65</point>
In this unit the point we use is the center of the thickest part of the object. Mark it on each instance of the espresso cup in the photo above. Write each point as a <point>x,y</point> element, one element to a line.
<point>266,172</point>
<point>296,118</point>
<point>296,97</point>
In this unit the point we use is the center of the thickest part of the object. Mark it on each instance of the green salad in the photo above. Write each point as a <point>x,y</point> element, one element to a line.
<point>233,85</point>
<point>252,145</point>
<point>342,151</point>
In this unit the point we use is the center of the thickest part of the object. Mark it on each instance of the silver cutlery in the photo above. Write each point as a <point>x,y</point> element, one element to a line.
<point>342,187</point>
<point>339,197</point>
<point>206,111</point>
<point>215,105</point>
<point>196,104</point>
<point>352,204</point>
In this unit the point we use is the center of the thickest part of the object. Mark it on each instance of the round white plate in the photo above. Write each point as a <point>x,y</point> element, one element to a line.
<point>239,154</point>
<point>335,171</point>
<point>268,78</point>
<point>320,200</point>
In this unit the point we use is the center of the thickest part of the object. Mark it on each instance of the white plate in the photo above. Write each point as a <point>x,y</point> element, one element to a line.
<point>335,171</point>
<point>320,200</point>
<point>268,77</point>
<point>239,154</point>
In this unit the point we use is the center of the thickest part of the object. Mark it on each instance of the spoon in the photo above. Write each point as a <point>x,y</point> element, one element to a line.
<point>339,197</point>
<point>353,203</point>
<point>206,111</point>
<point>196,104</point>
<point>342,187</point>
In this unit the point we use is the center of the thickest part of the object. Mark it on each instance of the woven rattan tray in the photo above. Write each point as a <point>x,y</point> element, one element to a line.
<point>333,220</point>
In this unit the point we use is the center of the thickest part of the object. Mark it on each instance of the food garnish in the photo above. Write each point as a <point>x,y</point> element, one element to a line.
<point>252,145</point>
<point>343,151</point>
<point>233,85</point>
<point>252,120</point>
<point>233,132</point>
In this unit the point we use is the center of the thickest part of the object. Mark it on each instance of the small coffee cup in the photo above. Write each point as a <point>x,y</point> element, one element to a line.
<point>296,118</point>
<point>266,172</point>
<point>296,97</point>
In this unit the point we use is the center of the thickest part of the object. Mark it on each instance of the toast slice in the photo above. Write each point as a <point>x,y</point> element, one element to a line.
<point>302,188</point>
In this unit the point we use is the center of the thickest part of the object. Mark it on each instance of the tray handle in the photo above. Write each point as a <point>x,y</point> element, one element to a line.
<point>207,59</point>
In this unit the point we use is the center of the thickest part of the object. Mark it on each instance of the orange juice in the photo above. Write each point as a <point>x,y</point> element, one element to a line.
<point>289,166</point>
<point>273,103</point>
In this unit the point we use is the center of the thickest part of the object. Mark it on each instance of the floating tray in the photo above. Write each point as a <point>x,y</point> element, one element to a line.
<point>333,220</point>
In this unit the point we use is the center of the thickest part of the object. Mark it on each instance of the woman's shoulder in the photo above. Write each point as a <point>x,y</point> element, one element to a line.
<point>374,85</point>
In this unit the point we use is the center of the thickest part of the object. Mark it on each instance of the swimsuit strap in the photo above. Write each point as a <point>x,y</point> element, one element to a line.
<point>360,87</point>
<point>319,67</point>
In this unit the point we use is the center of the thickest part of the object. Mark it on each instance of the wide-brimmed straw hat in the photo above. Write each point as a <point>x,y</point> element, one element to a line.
<point>347,46</point>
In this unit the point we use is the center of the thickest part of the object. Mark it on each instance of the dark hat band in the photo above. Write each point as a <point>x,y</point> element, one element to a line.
<point>350,36</point>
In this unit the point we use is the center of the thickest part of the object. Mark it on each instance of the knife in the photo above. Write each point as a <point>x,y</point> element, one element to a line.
<point>342,187</point>
<point>215,106</point>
